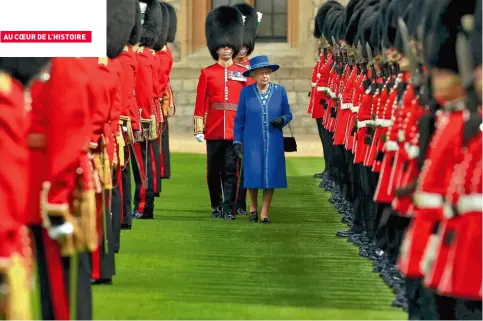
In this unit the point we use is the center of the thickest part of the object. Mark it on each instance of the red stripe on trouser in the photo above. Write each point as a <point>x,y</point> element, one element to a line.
<point>96,260</point>
<point>142,171</point>
<point>55,270</point>
<point>153,166</point>
<point>162,170</point>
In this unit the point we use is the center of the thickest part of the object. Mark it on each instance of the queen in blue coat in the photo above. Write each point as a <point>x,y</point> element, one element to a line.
<point>263,110</point>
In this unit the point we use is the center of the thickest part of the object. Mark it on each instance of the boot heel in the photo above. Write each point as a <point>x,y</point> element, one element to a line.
<point>253,217</point>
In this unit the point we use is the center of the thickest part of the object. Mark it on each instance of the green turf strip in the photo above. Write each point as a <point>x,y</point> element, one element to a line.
<point>185,265</point>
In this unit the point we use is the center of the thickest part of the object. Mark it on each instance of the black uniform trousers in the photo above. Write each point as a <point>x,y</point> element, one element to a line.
<point>143,196</point>
<point>126,191</point>
<point>84,294</point>
<point>222,171</point>
<point>156,155</point>
<point>116,208</point>
<point>326,143</point>
<point>166,156</point>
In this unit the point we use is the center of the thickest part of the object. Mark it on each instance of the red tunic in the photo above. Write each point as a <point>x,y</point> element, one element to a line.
<point>145,83</point>
<point>217,97</point>
<point>313,86</point>
<point>344,115</point>
<point>322,85</point>
<point>129,66</point>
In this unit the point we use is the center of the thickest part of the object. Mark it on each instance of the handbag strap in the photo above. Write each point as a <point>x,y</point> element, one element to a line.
<point>290,128</point>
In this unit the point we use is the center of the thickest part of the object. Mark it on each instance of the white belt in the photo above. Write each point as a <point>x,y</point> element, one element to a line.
<point>313,84</point>
<point>355,109</point>
<point>383,122</point>
<point>401,136</point>
<point>391,146</point>
<point>428,200</point>
<point>470,203</point>
<point>323,88</point>
<point>364,123</point>
<point>412,150</point>
<point>346,106</point>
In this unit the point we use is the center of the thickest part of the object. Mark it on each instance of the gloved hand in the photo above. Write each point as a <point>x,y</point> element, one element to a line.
<point>277,122</point>
<point>238,150</point>
<point>200,137</point>
<point>138,136</point>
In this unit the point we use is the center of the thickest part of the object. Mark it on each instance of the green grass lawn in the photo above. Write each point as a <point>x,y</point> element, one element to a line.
<point>185,265</point>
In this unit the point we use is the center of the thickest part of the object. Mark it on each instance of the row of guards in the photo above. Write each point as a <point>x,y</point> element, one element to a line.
<point>396,95</point>
<point>72,129</point>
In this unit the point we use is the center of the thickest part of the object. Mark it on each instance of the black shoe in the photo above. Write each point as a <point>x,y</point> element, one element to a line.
<point>241,212</point>
<point>254,217</point>
<point>215,213</point>
<point>319,175</point>
<point>126,227</point>
<point>229,217</point>
<point>101,281</point>
<point>342,234</point>
<point>266,220</point>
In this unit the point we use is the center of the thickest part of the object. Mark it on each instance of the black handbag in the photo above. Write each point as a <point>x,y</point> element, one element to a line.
<point>289,143</point>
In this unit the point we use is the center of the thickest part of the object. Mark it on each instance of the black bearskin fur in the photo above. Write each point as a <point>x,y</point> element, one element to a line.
<point>152,25</point>
<point>23,69</point>
<point>323,11</point>
<point>135,36</point>
<point>163,35</point>
<point>173,22</point>
<point>250,26</point>
<point>476,36</point>
<point>224,28</point>
<point>119,26</point>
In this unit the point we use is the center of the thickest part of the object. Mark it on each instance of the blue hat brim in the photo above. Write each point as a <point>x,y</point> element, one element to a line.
<point>272,67</point>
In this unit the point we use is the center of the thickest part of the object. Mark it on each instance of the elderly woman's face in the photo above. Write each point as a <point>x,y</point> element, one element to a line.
<point>262,76</point>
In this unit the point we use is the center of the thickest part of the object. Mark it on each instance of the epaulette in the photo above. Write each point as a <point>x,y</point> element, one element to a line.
<point>5,83</point>
<point>140,49</point>
<point>243,66</point>
<point>102,61</point>
<point>152,51</point>
<point>126,48</point>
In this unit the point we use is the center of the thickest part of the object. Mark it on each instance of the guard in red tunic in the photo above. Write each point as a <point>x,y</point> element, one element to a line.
<point>61,206</point>
<point>131,126</point>
<point>145,173</point>
<point>168,107</point>
<point>251,23</point>
<point>16,256</point>
<point>218,91</point>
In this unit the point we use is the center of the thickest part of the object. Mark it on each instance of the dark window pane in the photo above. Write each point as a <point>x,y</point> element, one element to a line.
<point>217,3</point>
<point>279,25</point>
<point>280,6</point>
<point>265,27</point>
<point>264,6</point>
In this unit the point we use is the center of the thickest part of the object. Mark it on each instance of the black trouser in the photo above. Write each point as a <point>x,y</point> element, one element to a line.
<point>116,209</point>
<point>457,309</point>
<point>166,156</point>
<point>144,197</point>
<point>222,167</point>
<point>369,181</point>
<point>421,305</point>
<point>326,144</point>
<point>156,152</point>
<point>107,268</point>
<point>126,192</point>
<point>358,203</point>
<point>320,128</point>
<point>84,296</point>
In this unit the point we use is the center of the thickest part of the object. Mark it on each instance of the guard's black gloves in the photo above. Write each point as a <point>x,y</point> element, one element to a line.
<point>277,122</point>
<point>238,150</point>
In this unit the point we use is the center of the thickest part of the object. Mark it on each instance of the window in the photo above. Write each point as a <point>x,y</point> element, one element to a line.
<point>273,27</point>
<point>217,3</point>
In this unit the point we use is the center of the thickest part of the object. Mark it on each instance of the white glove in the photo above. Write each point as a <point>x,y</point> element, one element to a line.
<point>60,232</point>
<point>200,137</point>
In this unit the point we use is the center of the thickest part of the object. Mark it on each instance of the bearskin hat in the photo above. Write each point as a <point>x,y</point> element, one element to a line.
<point>441,50</point>
<point>224,28</point>
<point>173,22</point>
<point>366,23</point>
<point>250,25</point>
<point>322,13</point>
<point>23,69</point>
<point>163,35</point>
<point>136,30</point>
<point>405,14</point>
<point>121,15</point>
<point>152,23</point>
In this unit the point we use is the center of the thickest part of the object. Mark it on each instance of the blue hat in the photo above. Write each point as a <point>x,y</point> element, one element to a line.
<point>260,62</point>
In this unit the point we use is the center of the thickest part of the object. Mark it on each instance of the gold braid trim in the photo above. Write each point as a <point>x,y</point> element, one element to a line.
<point>85,208</point>
<point>15,304</point>
<point>198,125</point>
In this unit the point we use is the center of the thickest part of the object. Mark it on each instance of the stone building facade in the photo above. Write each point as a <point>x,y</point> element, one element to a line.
<point>294,51</point>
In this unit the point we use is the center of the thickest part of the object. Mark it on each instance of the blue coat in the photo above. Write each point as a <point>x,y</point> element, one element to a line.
<point>263,153</point>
